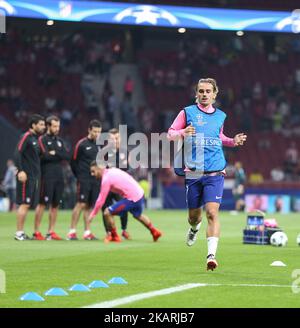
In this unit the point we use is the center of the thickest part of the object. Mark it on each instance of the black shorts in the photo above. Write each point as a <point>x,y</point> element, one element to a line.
<point>28,192</point>
<point>88,191</point>
<point>51,192</point>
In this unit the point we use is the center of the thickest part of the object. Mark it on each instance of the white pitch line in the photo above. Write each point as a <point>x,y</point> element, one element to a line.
<point>171,290</point>
<point>139,297</point>
<point>255,285</point>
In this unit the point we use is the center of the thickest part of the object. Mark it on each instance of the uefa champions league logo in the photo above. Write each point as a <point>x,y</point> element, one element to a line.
<point>146,14</point>
<point>200,120</point>
<point>65,8</point>
<point>293,20</point>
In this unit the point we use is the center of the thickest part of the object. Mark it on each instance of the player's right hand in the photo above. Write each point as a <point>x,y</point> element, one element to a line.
<point>90,219</point>
<point>22,176</point>
<point>190,130</point>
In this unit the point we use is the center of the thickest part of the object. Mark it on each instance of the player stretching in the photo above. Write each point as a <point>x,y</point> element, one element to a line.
<point>205,123</point>
<point>87,186</point>
<point>120,182</point>
<point>52,182</point>
<point>28,172</point>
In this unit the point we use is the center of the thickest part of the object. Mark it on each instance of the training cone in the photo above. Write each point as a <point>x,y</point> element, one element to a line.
<point>56,292</point>
<point>278,264</point>
<point>98,284</point>
<point>118,281</point>
<point>31,296</point>
<point>79,288</point>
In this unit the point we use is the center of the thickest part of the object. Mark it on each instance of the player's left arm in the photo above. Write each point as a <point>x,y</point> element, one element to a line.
<point>237,140</point>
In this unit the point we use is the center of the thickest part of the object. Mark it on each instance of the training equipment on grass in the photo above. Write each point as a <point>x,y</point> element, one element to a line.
<point>259,230</point>
<point>98,284</point>
<point>55,291</point>
<point>255,233</point>
<point>32,296</point>
<point>79,288</point>
<point>279,238</point>
<point>118,281</point>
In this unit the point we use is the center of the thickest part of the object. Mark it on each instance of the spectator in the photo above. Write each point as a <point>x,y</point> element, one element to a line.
<point>277,122</point>
<point>291,161</point>
<point>256,177</point>
<point>257,91</point>
<point>277,174</point>
<point>66,117</point>
<point>9,184</point>
<point>112,109</point>
<point>292,155</point>
<point>128,88</point>
<point>239,186</point>
<point>50,103</point>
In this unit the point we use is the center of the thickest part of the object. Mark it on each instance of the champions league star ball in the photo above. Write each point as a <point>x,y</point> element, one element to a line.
<point>279,238</point>
<point>298,239</point>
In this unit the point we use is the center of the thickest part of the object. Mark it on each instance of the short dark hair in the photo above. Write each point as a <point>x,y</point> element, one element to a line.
<point>51,118</point>
<point>93,163</point>
<point>95,124</point>
<point>113,131</point>
<point>100,165</point>
<point>35,119</point>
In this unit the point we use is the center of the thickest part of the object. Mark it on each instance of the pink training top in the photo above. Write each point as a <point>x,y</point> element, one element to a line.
<point>177,128</point>
<point>119,182</point>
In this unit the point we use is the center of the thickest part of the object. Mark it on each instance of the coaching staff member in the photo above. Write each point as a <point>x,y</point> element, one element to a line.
<point>28,171</point>
<point>53,153</point>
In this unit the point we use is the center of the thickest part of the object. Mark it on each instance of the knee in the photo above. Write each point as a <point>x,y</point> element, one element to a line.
<point>211,214</point>
<point>82,207</point>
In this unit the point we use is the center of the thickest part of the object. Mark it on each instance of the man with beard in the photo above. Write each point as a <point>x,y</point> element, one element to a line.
<point>53,152</point>
<point>28,172</point>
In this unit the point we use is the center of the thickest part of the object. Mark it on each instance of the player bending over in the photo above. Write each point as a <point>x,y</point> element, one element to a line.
<point>120,182</point>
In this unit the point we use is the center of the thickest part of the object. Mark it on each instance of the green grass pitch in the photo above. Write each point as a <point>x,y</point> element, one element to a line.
<point>148,266</point>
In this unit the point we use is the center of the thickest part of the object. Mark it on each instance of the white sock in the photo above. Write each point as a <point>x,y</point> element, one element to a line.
<point>212,245</point>
<point>19,233</point>
<point>87,232</point>
<point>72,231</point>
<point>196,227</point>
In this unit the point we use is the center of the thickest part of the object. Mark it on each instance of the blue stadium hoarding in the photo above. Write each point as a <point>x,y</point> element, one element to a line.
<point>155,15</point>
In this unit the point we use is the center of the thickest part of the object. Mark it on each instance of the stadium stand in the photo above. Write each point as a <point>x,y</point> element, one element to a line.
<point>258,75</point>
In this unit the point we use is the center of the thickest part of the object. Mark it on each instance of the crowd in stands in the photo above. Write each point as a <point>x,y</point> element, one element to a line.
<point>258,76</point>
<point>49,73</point>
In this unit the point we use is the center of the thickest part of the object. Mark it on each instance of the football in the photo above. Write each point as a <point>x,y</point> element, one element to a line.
<point>279,238</point>
<point>298,239</point>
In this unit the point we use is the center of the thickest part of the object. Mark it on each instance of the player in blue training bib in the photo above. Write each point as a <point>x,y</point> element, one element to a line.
<point>202,162</point>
